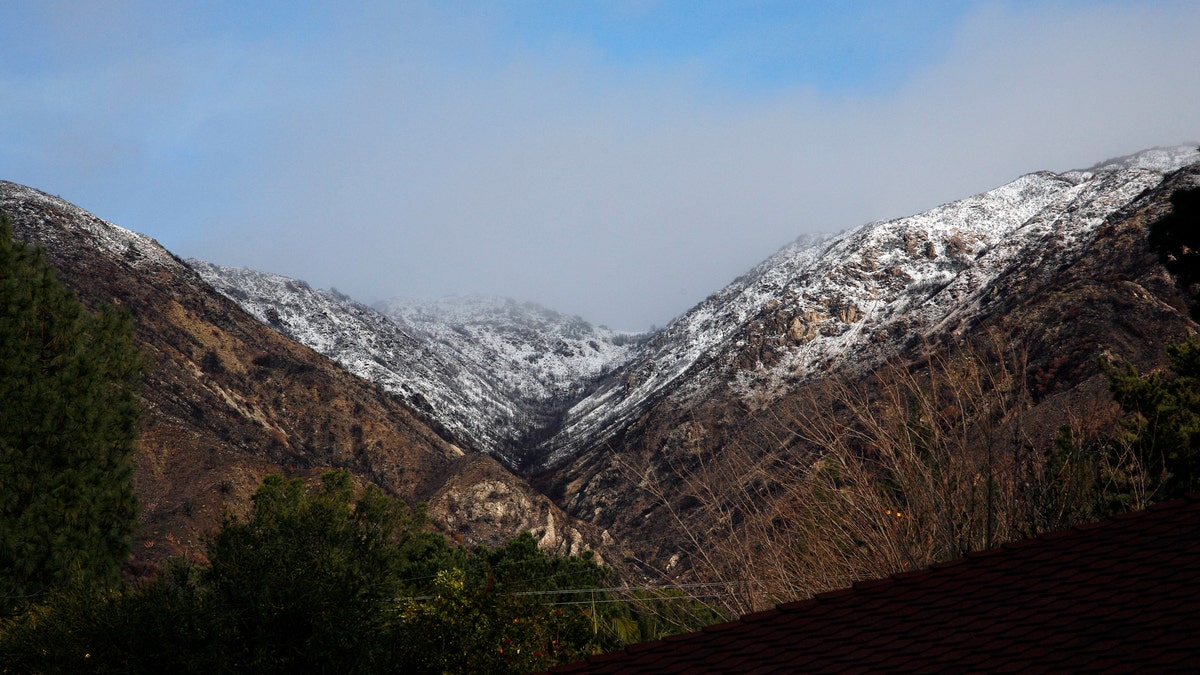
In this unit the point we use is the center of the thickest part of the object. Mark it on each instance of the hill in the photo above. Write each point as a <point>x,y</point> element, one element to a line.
<point>228,399</point>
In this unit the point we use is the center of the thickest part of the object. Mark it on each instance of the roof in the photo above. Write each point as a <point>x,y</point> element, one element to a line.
<point>1118,595</point>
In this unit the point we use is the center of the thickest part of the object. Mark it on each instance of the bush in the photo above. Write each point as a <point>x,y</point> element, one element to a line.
<point>324,582</point>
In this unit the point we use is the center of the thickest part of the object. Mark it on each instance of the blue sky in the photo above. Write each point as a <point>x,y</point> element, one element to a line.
<point>619,160</point>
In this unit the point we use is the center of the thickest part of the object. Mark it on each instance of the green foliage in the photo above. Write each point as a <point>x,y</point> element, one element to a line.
<point>512,609</point>
<point>68,383</point>
<point>516,609</point>
<point>1161,430</point>
<point>323,582</point>
<point>1176,240</point>
<point>305,581</point>
<point>652,614</point>
<point>167,626</point>
<point>471,622</point>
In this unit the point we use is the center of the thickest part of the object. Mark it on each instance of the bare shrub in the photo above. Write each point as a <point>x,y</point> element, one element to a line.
<point>855,479</point>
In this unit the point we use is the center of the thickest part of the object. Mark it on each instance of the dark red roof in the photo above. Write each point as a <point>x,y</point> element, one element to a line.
<point>1121,595</point>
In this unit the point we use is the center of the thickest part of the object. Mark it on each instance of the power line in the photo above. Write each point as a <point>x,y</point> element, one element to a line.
<point>611,590</point>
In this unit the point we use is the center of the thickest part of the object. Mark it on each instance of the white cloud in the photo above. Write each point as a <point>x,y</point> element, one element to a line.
<point>410,152</point>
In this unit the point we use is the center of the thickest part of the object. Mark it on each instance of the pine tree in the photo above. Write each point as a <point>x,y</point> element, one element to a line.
<point>68,415</point>
<point>1162,423</point>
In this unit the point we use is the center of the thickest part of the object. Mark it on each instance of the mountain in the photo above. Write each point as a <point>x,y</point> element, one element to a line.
<point>536,387</point>
<point>1053,266</point>
<point>607,424</point>
<point>597,433</point>
<point>228,399</point>
<point>495,374</point>
<point>543,360</point>
<point>824,304</point>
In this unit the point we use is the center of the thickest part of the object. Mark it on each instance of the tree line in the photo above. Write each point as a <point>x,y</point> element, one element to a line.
<point>321,581</point>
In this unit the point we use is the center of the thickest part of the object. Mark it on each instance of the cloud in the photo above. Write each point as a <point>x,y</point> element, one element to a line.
<point>422,151</point>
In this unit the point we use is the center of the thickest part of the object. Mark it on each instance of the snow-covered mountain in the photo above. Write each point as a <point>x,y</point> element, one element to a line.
<point>537,387</point>
<point>496,374</point>
<point>1051,269</point>
<point>599,418</point>
<point>847,301</point>
<point>539,355</point>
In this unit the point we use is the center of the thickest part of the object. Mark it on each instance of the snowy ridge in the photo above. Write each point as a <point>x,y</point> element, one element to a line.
<point>537,354</point>
<point>850,300</point>
<point>535,387</point>
<point>366,343</point>
<point>135,249</point>
<point>1160,160</point>
<point>492,372</point>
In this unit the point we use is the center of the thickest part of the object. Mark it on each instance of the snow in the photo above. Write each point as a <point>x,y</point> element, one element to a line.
<point>867,291</point>
<point>491,371</point>
<point>135,249</point>
<point>538,354</point>
<point>501,375</point>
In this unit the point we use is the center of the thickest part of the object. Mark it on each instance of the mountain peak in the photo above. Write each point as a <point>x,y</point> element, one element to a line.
<point>137,249</point>
<point>529,383</point>
<point>1162,159</point>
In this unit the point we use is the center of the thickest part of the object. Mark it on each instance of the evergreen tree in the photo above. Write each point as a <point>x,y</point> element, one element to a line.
<point>1162,424</point>
<point>68,415</point>
<point>305,583</point>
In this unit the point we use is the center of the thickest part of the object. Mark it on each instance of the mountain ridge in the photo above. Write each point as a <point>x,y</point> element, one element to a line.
<point>590,416</point>
<point>819,300</point>
<point>228,400</point>
<point>898,275</point>
<point>1084,287</point>
<point>492,372</point>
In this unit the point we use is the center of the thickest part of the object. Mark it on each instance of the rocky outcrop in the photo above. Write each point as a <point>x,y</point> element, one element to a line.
<point>480,502</point>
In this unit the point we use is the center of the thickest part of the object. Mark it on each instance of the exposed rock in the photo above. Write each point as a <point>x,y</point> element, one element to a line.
<point>483,503</point>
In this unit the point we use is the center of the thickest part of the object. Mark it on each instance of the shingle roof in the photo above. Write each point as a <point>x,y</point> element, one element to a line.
<point>1121,595</point>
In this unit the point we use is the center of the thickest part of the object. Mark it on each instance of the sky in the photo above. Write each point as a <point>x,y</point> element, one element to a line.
<point>617,160</point>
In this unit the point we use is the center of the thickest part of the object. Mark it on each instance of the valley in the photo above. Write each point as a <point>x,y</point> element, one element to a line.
<point>505,416</point>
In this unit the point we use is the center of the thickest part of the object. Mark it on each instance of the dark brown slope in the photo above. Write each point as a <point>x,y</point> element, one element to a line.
<point>1114,301</point>
<point>229,400</point>
<point>1117,596</point>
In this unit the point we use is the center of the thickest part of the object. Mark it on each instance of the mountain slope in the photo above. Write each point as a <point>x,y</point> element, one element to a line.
<point>1055,263</point>
<point>848,301</point>
<point>1055,266</point>
<point>228,400</point>
<point>538,354</point>
<point>543,360</point>
<point>493,373</point>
